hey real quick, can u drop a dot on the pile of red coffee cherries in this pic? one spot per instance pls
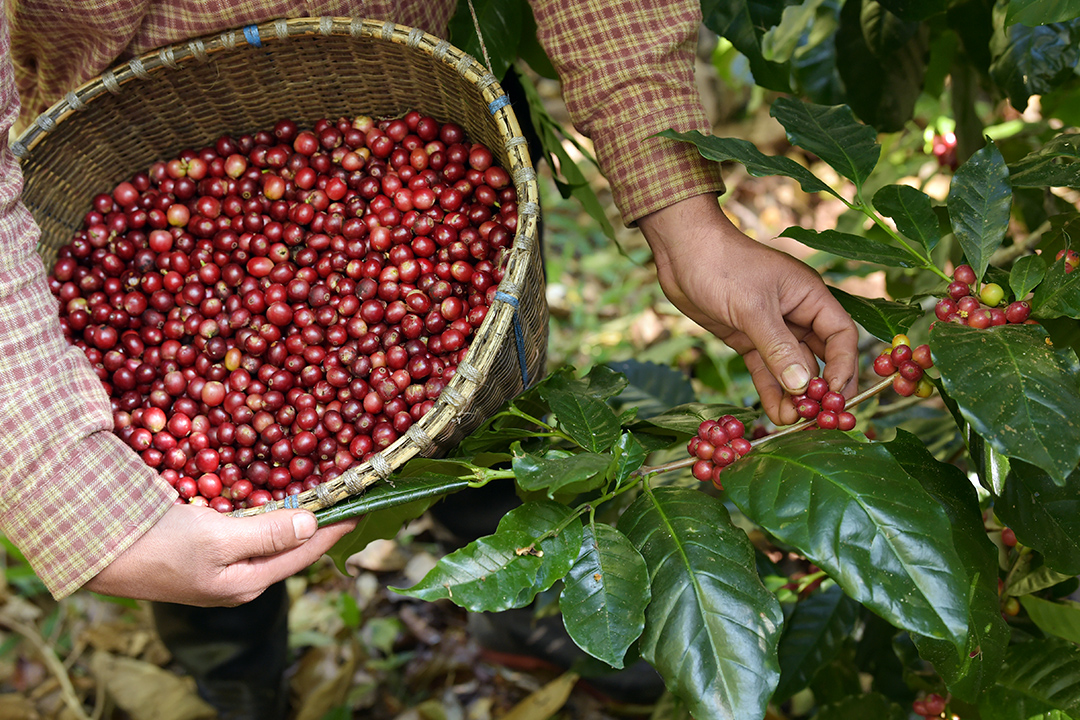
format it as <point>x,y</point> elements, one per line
<point>267,311</point>
<point>909,366</point>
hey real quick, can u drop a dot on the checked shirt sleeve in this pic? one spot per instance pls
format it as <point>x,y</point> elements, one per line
<point>627,69</point>
<point>72,495</point>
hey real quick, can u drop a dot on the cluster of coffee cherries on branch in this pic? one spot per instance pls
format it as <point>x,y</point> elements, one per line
<point>823,406</point>
<point>978,311</point>
<point>930,706</point>
<point>718,443</point>
<point>269,310</point>
<point>907,366</point>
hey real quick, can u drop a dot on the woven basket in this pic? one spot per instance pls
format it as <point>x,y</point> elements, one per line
<point>187,95</point>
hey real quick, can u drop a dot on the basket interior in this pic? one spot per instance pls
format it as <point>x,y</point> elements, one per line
<point>237,90</point>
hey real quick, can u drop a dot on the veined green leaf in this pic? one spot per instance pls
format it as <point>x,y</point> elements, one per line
<point>833,134</point>
<point>711,628</point>
<point>980,199</point>
<point>506,570</point>
<point>1011,385</point>
<point>854,511</point>
<point>605,595</point>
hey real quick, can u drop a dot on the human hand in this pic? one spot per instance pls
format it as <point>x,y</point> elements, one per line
<point>770,308</point>
<point>197,556</point>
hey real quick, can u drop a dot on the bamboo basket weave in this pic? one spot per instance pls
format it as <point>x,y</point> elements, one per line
<point>187,95</point>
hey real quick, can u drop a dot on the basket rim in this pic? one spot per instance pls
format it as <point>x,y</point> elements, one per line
<point>502,317</point>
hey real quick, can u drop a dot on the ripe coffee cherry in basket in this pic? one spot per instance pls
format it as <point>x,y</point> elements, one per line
<point>269,310</point>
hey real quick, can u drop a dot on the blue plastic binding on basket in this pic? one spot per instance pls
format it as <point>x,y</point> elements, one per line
<point>519,335</point>
<point>290,502</point>
<point>251,34</point>
<point>498,104</point>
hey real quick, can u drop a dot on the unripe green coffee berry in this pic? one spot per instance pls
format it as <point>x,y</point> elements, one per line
<point>991,294</point>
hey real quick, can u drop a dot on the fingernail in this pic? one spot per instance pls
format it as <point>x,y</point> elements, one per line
<point>795,378</point>
<point>304,525</point>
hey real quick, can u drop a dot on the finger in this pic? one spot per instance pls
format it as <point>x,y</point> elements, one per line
<point>841,349</point>
<point>247,578</point>
<point>268,534</point>
<point>780,351</point>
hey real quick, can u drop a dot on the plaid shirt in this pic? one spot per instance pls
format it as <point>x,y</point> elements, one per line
<point>72,495</point>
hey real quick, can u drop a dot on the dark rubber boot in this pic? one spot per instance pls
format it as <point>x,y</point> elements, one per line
<point>237,655</point>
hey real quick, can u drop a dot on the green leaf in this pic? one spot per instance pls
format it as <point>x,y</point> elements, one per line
<point>588,420</point>
<point>860,707</point>
<point>969,675</point>
<point>833,134</point>
<point>756,162</point>
<point>652,388</point>
<point>990,465</point>
<point>742,22</point>
<point>601,382</point>
<point>384,509</point>
<point>883,319</point>
<point>979,203</point>
<point>779,43</point>
<point>500,25</point>
<point>711,628</point>
<point>506,570</point>
<point>915,10</point>
<point>1032,60</point>
<point>1011,386</point>
<point>630,455</point>
<point>686,418</point>
<point>813,635</point>
<point>1025,578</point>
<point>853,247</point>
<point>1061,619</point>
<point>852,510</point>
<point>1052,165</point>
<point>1044,515</point>
<point>1040,676</point>
<point>882,61</point>
<point>1041,12</point>
<point>1058,294</point>
<point>1026,273</point>
<point>576,473</point>
<point>605,595</point>
<point>913,212</point>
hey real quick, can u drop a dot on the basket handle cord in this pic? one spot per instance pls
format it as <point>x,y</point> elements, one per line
<point>519,335</point>
<point>480,37</point>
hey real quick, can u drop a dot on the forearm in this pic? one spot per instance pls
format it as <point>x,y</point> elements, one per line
<point>628,74</point>
<point>72,496</point>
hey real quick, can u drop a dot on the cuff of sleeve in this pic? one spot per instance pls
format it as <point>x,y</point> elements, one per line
<point>78,497</point>
<point>653,173</point>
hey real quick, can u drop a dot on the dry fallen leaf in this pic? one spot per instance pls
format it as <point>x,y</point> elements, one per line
<point>147,692</point>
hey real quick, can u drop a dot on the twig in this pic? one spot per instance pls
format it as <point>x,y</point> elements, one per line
<point>67,690</point>
<point>801,425</point>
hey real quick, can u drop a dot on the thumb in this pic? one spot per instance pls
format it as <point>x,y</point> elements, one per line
<point>782,355</point>
<point>272,533</point>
